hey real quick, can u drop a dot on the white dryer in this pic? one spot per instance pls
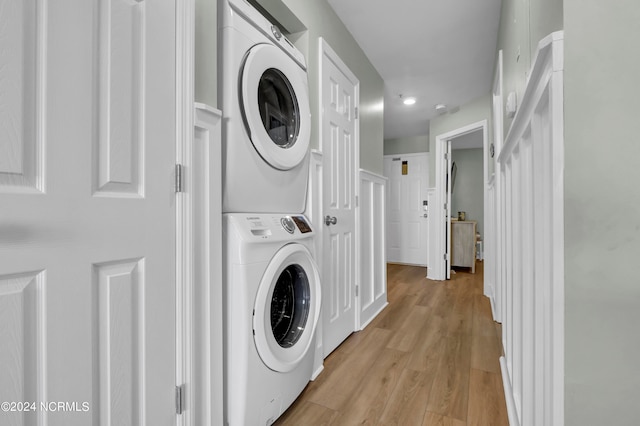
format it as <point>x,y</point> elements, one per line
<point>272,305</point>
<point>266,127</point>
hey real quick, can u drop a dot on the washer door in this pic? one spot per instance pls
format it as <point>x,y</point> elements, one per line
<point>275,104</point>
<point>287,308</point>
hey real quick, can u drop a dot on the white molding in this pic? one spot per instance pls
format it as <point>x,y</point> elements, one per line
<point>314,214</point>
<point>199,239</point>
<point>493,245</point>
<point>373,316</point>
<point>374,177</point>
<point>184,86</point>
<point>548,60</point>
<point>506,384</point>
<point>530,185</point>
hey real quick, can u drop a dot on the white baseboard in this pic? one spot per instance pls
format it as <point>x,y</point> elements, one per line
<point>317,372</point>
<point>374,316</point>
<point>508,394</point>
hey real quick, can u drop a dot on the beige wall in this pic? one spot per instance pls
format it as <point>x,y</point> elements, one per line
<point>523,23</point>
<point>468,189</point>
<point>206,62</point>
<point>602,211</point>
<point>321,21</point>
<point>476,110</point>
<point>407,145</point>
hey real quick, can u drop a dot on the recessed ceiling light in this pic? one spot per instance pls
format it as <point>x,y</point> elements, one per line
<point>409,101</point>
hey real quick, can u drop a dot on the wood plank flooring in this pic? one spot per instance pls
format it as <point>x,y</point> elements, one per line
<point>430,358</point>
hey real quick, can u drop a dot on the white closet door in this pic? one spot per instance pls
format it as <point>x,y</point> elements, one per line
<point>87,263</point>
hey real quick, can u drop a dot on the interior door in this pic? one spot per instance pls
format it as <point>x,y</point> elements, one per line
<point>447,211</point>
<point>408,234</point>
<point>87,240</point>
<point>339,140</point>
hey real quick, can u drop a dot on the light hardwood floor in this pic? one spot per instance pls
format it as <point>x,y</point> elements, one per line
<point>430,358</point>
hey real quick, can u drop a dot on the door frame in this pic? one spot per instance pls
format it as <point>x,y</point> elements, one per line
<point>325,50</point>
<point>199,334</point>
<point>185,94</point>
<point>494,283</point>
<point>427,188</point>
<point>438,269</point>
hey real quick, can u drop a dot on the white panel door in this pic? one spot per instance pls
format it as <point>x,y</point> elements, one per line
<point>87,224</point>
<point>407,231</point>
<point>339,145</point>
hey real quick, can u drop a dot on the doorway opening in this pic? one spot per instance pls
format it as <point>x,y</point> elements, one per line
<point>440,229</point>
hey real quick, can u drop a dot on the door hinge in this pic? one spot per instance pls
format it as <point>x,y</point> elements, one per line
<point>356,201</point>
<point>356,291</point>
<point>180,399</point>
<point>444,256</point>
<point>446,156</point>
<point>445,206</point>
<point>356,112</point>
<point>179,178</point>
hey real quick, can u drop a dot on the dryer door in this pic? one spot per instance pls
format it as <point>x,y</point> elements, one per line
<point>275,104</point>
<point>287,308</point>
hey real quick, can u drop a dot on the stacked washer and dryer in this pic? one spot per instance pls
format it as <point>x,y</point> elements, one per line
<point>271,282</point>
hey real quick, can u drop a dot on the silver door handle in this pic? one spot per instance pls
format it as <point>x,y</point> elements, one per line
<point>425,215</point>
<point>328,220</point>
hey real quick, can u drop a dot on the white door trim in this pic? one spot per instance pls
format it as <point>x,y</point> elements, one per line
<point>437,269</point>
<point>494,283</point>
<point>185,59</point>
<point>326,51</point>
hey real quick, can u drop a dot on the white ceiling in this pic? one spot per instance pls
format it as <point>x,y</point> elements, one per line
<point>439,51</point>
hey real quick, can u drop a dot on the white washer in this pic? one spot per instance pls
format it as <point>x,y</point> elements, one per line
<point>266,127</point>
<point>272,305</point>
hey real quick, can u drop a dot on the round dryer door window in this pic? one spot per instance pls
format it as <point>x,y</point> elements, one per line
<point>275,105</point>
<point>287,308</point>
<point>278,108</point>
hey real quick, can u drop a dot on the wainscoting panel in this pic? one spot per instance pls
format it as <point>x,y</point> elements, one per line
<point>529,249</point>
<point>373,269</point>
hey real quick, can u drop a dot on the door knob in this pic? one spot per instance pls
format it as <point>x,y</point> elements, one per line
<point>328,220</point>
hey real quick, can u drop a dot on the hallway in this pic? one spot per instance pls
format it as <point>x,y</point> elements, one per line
<point>430,358</point>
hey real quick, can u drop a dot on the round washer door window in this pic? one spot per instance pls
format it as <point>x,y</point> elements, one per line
<point>287,308</point>
<point>275,104</point>
<point>290,305</point>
